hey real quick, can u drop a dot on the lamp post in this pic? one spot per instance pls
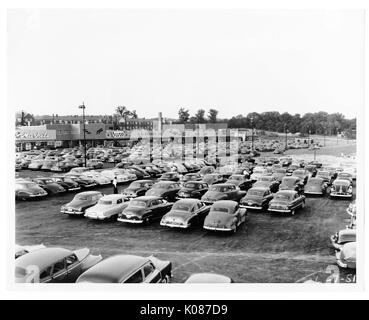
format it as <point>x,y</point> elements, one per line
<point>84,130</point>
<point>285,130</point>
<point>252,133</point>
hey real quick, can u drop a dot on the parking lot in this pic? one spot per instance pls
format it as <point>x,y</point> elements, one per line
<point>267,248</point>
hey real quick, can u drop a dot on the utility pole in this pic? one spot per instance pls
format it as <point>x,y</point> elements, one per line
<point>84,130</point>
<point>285,130</point>
<point>252,134</point>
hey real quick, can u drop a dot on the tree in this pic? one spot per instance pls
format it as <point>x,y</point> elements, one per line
<point>183,115</point>
<point>212,115</point>
<point>200,116</point>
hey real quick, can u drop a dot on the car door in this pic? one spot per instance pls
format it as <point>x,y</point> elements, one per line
<point>74,268</point>
<point>59,272</point>
<point>151,274</point>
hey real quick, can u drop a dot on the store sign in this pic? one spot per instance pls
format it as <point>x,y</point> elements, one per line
<point>117,134</point>
<point>35,135</point>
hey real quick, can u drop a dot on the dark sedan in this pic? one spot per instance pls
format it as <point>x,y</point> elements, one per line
<point>191,177</point>
<point>128,269</point>
<point>185,213</point>
<point>170,176</point>
<point>223,191</point>
<point>26,190</point>
<point>137,188</point>
<point>193,189</point>
<point>257,198</point>
<point>144,210</point>
<point>50,186</point>
<point>287,201</point>
<point>164,189</point>
<point>66,183</point>
<point>81,202</point>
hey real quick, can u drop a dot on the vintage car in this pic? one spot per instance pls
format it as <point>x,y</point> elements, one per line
<point>346,257</point>
<point>312,169</point>
<point>66,183</point>
<point>170,176</point>
<point>193,189</point>
<point>325,175</point>
<point>278,174</point>
<point>47,165</point>
<point>257,173</point>
<point>292,183</point>
<point>22,250</point>
<point>345,176</point>
<point>185,213</point>
<point>113,173</point>
<point>206,170</point>
<point>213,178</point>
<point>128,269</point>
<point>53,265</point>
<point>26,190</point>
<point>285,161</point>
<point>78,171</point>
<point>137,188</point>
<point>316,163</point>
<point>208,278</point>
<point>191,177</point>
<point>95,164</point>
<point>287,201</point>
<point>50,186</point>
<point>97,177</point>
<point>225,215</point>
<point>108,207</point>
<point>223,191</point>
<point>241,181</point>
<point>315,186</point>
<point>267,182</point>
<point>139,172</point>
<point>290,169</point>
<point>83,181</point>
<point>81,202</point>
<point>151,169</point>
<point>36,164</point>
<point>164,189</point>
<point>144,209</point>
<point>303,174</point>
<point>341,188</point>
<point>257,198</point>
<point>342,237</point>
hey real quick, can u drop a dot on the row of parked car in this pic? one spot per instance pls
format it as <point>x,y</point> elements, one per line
<point>40,264</point>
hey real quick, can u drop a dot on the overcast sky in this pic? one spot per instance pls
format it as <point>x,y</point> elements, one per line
<point>234,61</point>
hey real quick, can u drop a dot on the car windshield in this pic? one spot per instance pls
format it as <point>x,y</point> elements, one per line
<point>82,197</point>
<point>137,203</point>
<point>220,209</point>
<point>191,185</point>
<point>283,197</point>
<point>105,202</point>
<point>182,207</point>
<point>219,188</point>
<point>257,193</point>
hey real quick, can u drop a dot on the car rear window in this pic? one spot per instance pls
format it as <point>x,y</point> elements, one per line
<point>137,203</point>
<point>182,207</point>
<point>220,209</point>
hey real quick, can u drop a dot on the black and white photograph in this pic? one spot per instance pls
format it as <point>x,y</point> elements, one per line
<point>192,146</point>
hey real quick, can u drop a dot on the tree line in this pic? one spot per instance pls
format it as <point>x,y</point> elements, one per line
<point>310,123</point>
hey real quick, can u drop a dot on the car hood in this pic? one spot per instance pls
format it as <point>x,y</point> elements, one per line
<point>34,190</point>
<point>53,186</point>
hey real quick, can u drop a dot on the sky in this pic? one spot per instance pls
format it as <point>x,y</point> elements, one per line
<point>160,60</point>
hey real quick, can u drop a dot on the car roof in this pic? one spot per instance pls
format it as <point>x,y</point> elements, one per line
<point>341,181</point>
<point>222,185</point>
<point>42,258</point>
<point>259,188</point>
<point>166,182</point>
<point>147,198</point>
<point>88,193</point>
<point>225,203</point>
<point>143,181</point>
<point>208,278</point>
<point>287,192</point>
<point>113,269</point>
<point>188,201</point>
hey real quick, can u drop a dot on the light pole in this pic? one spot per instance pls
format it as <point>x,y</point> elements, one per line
<point>84,130</point>
<point>285,130</point>
<point>252,134</point>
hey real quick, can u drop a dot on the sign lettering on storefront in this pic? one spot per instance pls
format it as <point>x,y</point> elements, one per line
<point>35,135</point>
<point>115,134</point>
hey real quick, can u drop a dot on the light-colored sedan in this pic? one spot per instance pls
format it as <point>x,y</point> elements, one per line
<point>97,177</point>
<point>346,257</point>
<point>108,207</point>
